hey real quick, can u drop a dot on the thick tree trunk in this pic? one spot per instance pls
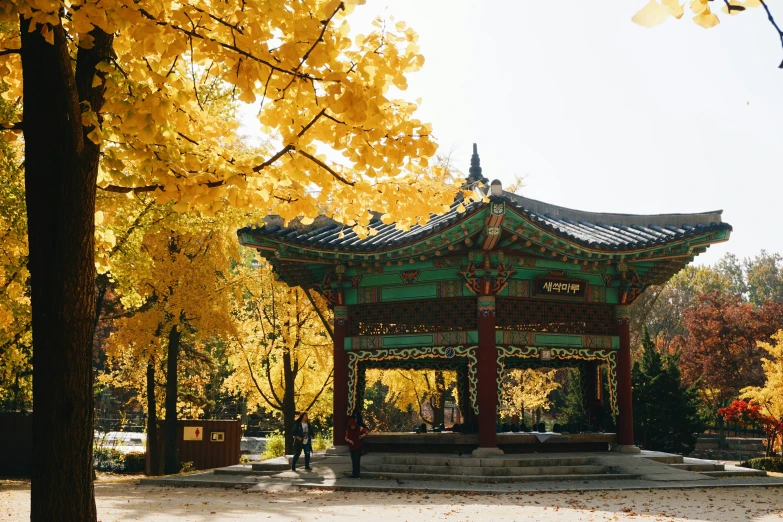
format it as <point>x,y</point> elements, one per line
<point>152,421</point>
<point>170,457</point>
<point>61,169</point>
<point>289,403</point>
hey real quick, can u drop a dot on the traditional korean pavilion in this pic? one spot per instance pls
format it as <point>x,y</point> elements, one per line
<point>510,282</point>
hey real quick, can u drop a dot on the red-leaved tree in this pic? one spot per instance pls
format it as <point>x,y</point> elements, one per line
<point>749,414</point>
<point>721,350</point>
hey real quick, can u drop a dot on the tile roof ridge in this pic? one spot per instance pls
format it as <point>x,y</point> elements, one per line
<point>614,219</point>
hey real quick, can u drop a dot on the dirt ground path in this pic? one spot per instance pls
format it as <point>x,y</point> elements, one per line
<point>124,501</point>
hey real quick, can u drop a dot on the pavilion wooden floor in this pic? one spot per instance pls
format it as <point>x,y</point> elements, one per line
<point>509,442</point>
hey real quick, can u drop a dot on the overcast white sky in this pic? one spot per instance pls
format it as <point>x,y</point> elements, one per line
<point>603,115</point>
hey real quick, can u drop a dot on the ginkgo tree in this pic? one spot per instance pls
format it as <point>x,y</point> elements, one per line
<point>769,397</point>
<point>281,352</point>
<point>425,391</point>
<point>527,389</point>
<point>112,96</point>
<point>176,290</point>
<point>15,326</point>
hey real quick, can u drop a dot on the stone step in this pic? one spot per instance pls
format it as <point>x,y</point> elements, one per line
<point>735,473</point>
<point>420,460</point>
<point>271,466</point>
<point>693,466</point>
<point>666,459</point>
<point>498,479</point>
<point>490,471</point>
<point>245,472</point>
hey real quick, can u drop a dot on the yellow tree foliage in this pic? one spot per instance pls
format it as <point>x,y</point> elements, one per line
<point>15,319</point>
<point>338,139</point>
<point>281,350</point>
<point>656,12</point>
<point>114,96</point>
<point>770,396</point>
<point>173,273</point>
<point>527,390</point>
<point>423,390</point>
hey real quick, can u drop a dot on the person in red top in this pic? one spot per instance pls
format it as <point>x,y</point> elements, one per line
<point>353,436</point>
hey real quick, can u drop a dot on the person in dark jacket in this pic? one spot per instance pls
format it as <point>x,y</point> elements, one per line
<point>353,436</point>
<point>597,416</point>
<point>303,440</point>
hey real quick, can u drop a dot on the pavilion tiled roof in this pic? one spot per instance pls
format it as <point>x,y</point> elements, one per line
<point>617,231</point>
<point>612,232</point>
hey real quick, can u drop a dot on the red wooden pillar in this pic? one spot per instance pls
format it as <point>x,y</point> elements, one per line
<point>624,398</point>
<point>487,358</point>
<point>340,404</point>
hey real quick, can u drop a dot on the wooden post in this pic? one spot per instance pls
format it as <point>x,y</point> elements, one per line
<point>487,357</point>
<point>624,400</point>
<point>340,404</point>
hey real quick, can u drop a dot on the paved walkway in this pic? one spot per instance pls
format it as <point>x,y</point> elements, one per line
<point>122,502</point>
<point>330,473</point>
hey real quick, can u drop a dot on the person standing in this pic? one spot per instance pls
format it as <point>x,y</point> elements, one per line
<point>303,440</point>
<point>353,436</point>
<point>597,416</point>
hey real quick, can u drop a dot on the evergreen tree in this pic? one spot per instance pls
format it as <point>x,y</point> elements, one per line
<point>573,412</point>
<point>665,412</point>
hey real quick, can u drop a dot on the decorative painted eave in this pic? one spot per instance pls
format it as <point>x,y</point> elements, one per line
<point>652,248</point>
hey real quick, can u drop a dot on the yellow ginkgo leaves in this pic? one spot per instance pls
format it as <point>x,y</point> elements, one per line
<point>658,11</point>
<point>336,142</point>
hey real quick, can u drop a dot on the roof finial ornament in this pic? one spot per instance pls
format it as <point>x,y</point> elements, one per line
<point>475,168</point>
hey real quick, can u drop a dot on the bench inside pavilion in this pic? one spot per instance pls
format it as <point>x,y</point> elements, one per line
<point>509,283</point>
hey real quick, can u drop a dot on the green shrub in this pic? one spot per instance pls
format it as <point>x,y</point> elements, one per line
<point>321,443</point>
<point>186,467</point>
<point>774,464</point>
<point>134,462</point>
<point>106,459</point>
<point>275,446</point>
<point>115,461</point>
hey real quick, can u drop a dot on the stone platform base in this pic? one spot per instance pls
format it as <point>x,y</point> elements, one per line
<point>465,443</point>
<point>487,452</point>
<point>626,448</point>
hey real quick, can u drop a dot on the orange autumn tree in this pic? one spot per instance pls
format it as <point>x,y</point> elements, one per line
<point>112,95</point>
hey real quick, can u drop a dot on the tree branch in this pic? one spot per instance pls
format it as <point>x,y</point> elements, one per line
<point>320,38</point>
<point>320,314</point>
<point>230,47</point>
<point>774,24</point>
<point>277,406</point>
<point>317,395</point>
<point>327,168</point>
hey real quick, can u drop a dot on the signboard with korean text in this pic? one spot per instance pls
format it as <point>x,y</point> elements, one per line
<point>193,433</point>
<point>557,287</point>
